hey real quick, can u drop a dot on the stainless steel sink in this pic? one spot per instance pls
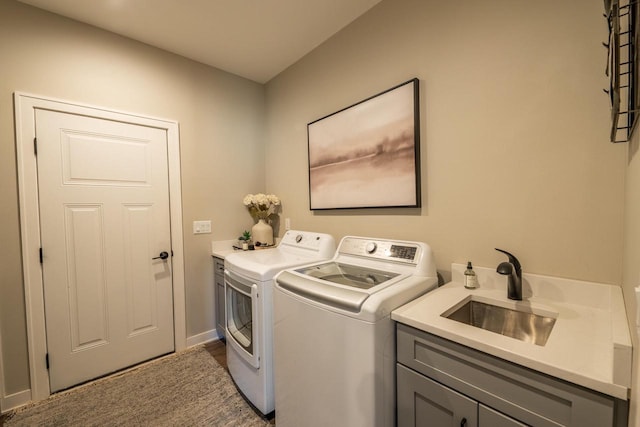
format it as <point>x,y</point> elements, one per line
<point>522,325</point>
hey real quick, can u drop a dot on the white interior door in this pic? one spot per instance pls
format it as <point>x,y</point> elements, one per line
<point>104,211</point>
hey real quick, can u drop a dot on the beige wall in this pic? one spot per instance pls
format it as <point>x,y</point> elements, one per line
<point>515,150</point>
<point>221,119</point>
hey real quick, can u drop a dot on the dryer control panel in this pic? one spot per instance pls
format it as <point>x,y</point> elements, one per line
<point>317,242</point>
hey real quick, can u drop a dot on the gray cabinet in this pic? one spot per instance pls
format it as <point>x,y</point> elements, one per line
<point>442,383</point>
<point>218,274</point>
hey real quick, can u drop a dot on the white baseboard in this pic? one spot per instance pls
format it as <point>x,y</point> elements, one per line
<point>15,400</point>
<point>202,338</point>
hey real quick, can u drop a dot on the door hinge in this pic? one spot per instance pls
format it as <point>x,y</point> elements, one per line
<point>35,146</point>
<point>41,256</point>
<point>46,360</point>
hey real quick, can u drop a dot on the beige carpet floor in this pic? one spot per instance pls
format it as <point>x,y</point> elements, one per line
<point>185,389</point>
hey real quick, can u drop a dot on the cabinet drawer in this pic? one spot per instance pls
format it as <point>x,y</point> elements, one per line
<point>218,266</point>
<point>521,393</point>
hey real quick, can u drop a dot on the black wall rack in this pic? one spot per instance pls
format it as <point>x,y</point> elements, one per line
<point>622,67</point>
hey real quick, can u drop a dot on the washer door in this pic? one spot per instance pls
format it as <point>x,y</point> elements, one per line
<point>242,300</point>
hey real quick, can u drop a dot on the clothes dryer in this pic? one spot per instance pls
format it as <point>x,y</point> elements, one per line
<point>249,308</point>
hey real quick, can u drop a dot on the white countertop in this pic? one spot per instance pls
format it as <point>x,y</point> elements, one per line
<point>589,345</point>
<point>222,248</point>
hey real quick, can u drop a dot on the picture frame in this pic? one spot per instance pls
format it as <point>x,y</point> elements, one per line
<point>367,155</point>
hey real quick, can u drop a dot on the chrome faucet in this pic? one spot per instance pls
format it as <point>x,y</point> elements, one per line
<point>513,271</point>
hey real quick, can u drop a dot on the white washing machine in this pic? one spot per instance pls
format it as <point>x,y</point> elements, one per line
<point>334,340</point>
<point>248,281</point>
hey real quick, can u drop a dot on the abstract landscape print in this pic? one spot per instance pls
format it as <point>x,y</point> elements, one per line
<point>367,155</point>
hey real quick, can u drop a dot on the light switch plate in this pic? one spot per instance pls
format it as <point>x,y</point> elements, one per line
<point>201,227</point>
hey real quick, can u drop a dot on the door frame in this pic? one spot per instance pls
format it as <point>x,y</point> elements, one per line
<point>25,106</point>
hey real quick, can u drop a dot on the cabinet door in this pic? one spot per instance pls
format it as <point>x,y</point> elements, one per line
<point>220,309</point>
<point>220,304</point>
<point>424,402</point>
<point>488,417</point>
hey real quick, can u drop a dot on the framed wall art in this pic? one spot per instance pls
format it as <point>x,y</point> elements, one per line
<point>367,155</point>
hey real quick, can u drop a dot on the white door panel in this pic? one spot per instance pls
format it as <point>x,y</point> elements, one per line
<point>104,160</point>
<point>104,208</point>
<point>86,276</point>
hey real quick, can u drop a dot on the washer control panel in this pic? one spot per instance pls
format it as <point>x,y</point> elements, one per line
<point>390,250</point>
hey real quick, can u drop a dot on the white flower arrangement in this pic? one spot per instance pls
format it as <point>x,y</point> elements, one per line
<point>261,206</point>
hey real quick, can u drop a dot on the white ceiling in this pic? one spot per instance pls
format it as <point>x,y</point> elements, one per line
<point>256,39</point>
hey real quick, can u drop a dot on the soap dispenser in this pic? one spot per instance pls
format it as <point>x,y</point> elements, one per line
<point>470,278</point>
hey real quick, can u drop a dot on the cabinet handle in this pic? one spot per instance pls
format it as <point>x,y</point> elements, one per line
<point>463,423</point>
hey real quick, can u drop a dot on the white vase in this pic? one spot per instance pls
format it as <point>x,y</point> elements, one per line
<point>263,233</point>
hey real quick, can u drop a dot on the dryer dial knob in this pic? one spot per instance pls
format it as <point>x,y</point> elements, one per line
<point>371,247</point>
<point>298,238</point>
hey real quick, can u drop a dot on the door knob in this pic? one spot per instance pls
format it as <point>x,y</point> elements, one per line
<point>163,255</point>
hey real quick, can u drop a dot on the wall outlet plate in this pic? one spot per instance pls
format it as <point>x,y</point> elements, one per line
<point>201,227</point>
